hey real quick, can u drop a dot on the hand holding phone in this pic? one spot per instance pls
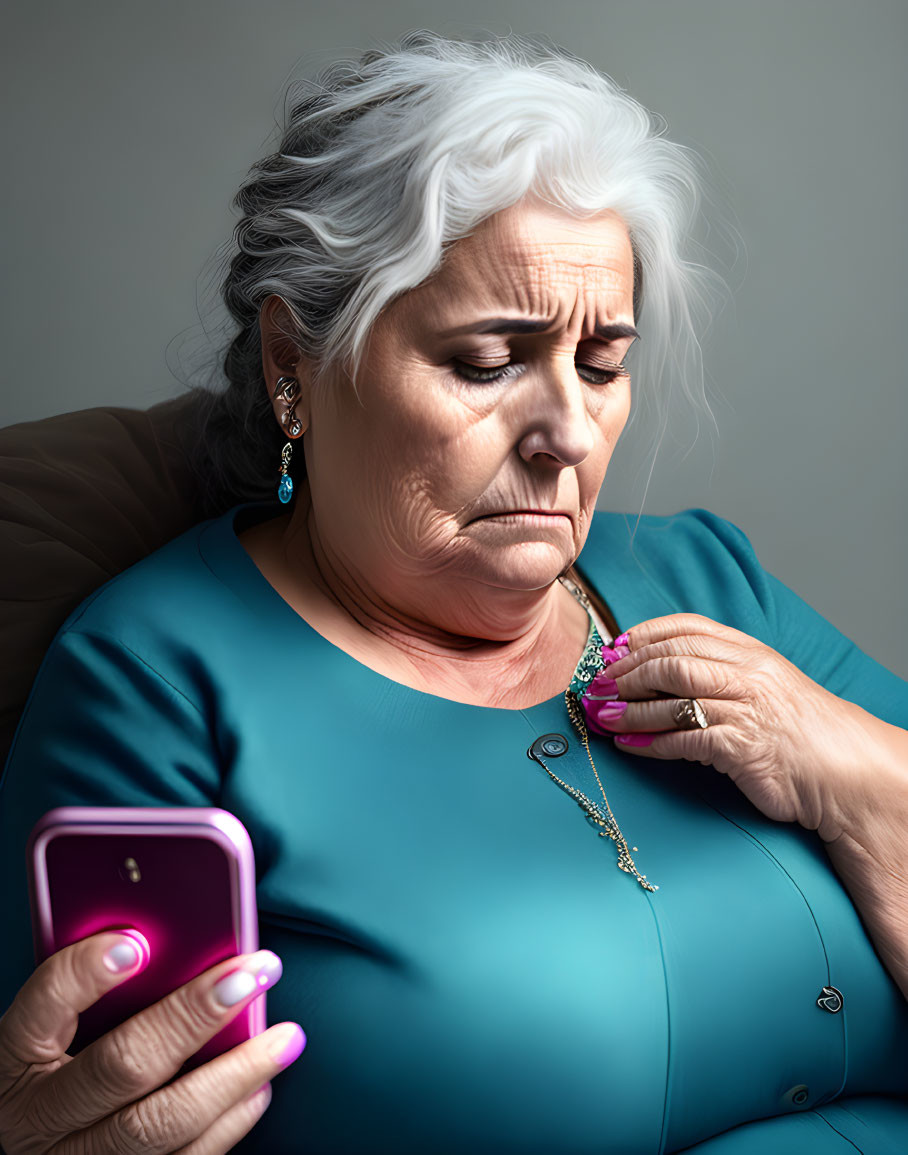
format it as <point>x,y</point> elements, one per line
<point>182,876</point>
<point>113,1093</point>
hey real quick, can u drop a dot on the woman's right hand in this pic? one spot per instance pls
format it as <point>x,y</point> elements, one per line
<point>109,1099</point>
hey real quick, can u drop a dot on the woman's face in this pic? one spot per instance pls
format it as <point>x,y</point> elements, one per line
<point>490,407</point>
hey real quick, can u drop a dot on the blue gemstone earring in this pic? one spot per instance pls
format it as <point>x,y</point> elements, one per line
<point>286,389</point>
<point>285,489</point>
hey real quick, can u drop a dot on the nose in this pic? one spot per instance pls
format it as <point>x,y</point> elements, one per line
<point>557,421</point>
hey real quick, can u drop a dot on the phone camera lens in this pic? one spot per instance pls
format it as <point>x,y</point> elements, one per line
<point>129,870</point>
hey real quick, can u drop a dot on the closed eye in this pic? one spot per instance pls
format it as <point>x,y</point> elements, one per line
<point>491,375</point>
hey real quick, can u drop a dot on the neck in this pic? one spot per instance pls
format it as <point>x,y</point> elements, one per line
<point>416,651</point>
<point>428,617</point>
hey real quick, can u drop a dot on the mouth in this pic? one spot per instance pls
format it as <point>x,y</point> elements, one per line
<point>540,516</point>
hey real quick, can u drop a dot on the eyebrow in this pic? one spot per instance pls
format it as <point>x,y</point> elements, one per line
<point>501,325</point>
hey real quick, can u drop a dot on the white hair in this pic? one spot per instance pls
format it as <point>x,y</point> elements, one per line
<point>384,162</point>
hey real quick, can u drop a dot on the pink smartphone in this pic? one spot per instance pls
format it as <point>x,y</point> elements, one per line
<point>183,876</point>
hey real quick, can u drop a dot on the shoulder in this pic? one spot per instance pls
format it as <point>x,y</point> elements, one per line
<point>693,561</point>
<point>163,607</point>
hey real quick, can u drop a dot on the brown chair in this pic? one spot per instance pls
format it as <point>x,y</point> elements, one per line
<point>82,496</point>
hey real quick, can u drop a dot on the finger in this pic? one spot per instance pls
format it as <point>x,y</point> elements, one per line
<point>673,625</point>
<point>648,717</point>
<point>182,1112</point>
<point>147,1050</point>
<point>231,1127</point>
<point>684,645</point>
<point>676,676</point>
<point>688,745</point>
<point>42,1019</point>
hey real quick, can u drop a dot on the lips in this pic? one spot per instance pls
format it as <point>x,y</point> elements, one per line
<point>541,512</point>
<point>546,513</point>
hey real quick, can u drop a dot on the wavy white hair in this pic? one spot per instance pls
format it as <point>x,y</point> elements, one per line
<point>385,161</point>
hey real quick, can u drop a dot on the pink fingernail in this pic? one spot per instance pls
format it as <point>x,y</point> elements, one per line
<point>634,739</point>
<point>131,951</point>
<point>610,712</point>
<point>287,1045</point>
<point>621,640</point>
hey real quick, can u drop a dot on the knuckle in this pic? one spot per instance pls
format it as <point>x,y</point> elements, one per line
<point>58,976</point>
<point>177,1025</point>
<point>764,682</point>
<point>69,970</point>
<point>673,670</point>
<point>683,662</point>
<point>143,1127</point>
<point>700,646</point>
<point>124,1060</point>
<point>34,1030</point>
<point>189,1013</point>
<point>47,1111</point>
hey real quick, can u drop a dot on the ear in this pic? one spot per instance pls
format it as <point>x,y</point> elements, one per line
<point>281,357</point>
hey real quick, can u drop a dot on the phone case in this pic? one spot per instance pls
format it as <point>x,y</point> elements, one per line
<point>183,876</point>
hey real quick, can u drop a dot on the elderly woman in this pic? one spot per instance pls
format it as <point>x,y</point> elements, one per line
<point>439,277</point>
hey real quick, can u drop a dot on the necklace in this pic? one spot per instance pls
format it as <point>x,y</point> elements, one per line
<point>589,665</point>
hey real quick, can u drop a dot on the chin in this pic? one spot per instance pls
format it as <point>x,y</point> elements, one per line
<point>527,566</point>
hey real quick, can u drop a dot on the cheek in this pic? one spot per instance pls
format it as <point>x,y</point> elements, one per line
<point>614,415</point>
<point>407,485</point>
<point>611,419</point>
<point>451,453</point>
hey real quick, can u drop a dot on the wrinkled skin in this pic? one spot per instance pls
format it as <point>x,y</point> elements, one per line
<point>390,539</point>
<point>799,753</point>
<point>112,1096</point>
<point>389,552</point>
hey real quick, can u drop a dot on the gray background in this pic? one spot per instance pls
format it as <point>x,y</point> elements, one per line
<point>130,126</point>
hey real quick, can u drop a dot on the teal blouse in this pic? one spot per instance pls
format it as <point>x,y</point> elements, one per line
<point>472,970</point>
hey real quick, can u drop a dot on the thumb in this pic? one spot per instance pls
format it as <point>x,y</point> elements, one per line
<point>42,1019</point>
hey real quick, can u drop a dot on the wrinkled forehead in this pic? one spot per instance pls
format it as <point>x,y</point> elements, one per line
<point>539,261</point>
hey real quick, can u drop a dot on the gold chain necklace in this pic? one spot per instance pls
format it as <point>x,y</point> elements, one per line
<point>606,820</point>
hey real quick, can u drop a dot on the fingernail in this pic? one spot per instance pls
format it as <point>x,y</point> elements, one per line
<point>621,640</point>
<point>286,1045</point>
<point>259,972</point>
<point>610,712</point>
<point>131,951</point>
<point>634,739</point>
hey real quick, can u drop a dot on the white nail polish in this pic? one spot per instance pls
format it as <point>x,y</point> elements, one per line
<point>122,956</point>
<point>234,988</point>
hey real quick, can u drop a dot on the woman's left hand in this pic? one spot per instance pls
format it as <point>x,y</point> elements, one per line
<point>799,753</point>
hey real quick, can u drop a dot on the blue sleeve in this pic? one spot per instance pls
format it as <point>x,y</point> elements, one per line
<point>807,639</point>
<point>101,727</point>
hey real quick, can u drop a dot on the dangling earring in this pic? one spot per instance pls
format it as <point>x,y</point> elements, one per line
<point>286,389</point>
<point>285,489</point>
